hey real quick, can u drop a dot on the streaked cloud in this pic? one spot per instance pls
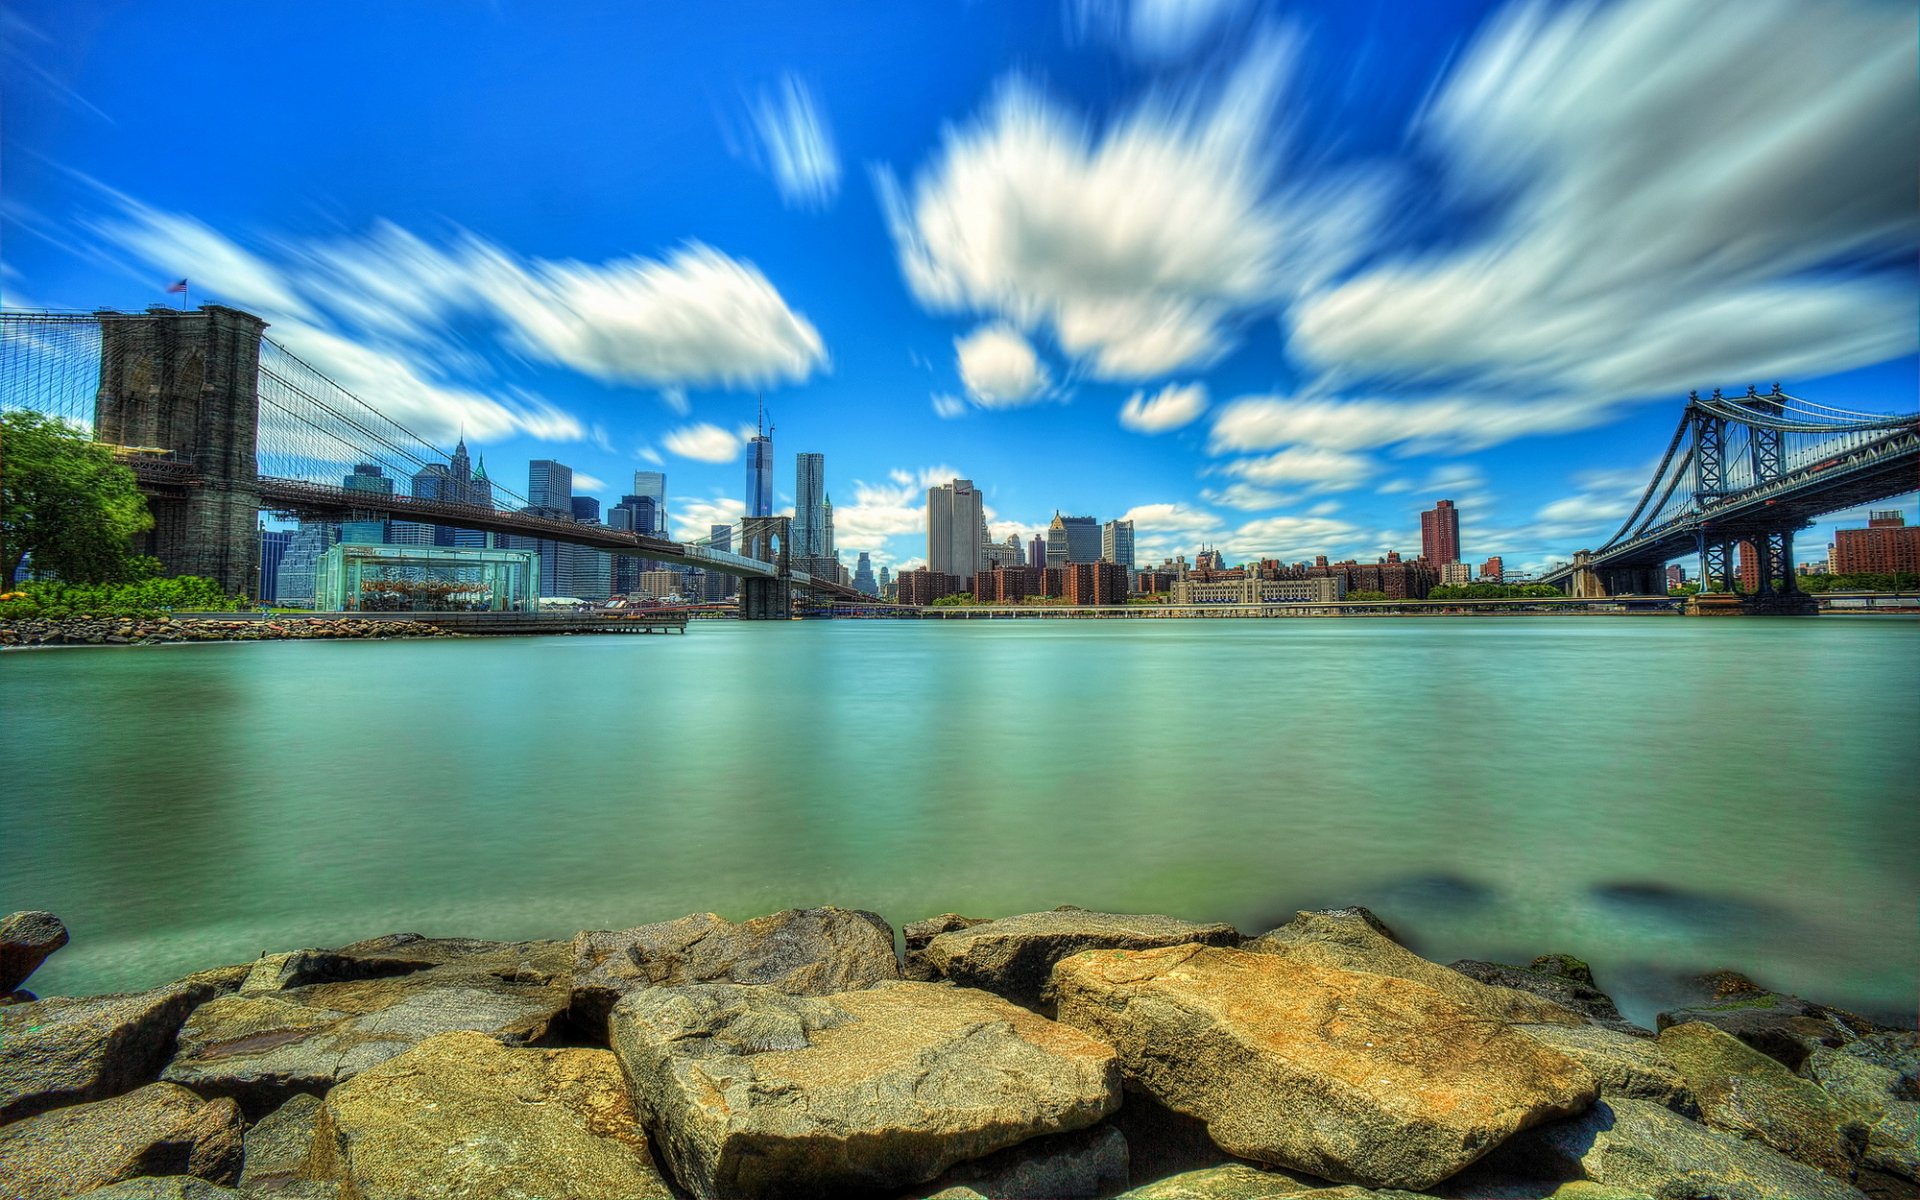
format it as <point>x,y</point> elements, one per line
<point>797,144</point>
<point>999,367</point>
<point>1320,470</point>
<point>1172,407</point>
<point>703,442</point>
<point>1134,246</point>
<point>1685,195</point>
<point>693,516</point>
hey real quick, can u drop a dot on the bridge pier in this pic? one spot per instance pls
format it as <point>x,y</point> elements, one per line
<point>765,599</point>
<point>188,383</point>
<point>762,598</point>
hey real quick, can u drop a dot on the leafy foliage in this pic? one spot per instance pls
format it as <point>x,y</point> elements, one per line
<point>1494,591</point>
<point>955,599</point>
<point>141,598</point>
<point>66,502</point>
<point>1366,595</point>
<point>1902,581</point>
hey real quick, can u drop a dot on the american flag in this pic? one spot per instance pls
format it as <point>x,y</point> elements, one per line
<point>176,287</point>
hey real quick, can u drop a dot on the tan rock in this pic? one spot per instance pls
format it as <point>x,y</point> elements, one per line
<point>1348,1076</point>
<point>751,1092</point>
<point>1230,1182</point>
<point>1623,1064</point>
<point>1750,1094</point>
<point>1345,940</point>
<point>462,1116</point>
<point>805,951</point>
<point>1013,956</point>
<point>278,1144</point>
<point>159,1129</point>
<point>1066,1166</point>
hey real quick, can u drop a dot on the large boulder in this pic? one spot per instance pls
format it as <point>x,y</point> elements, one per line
<point>1066,1166</point>
<point>1750,1095</point>
<point>1560,978</point>
<point>916,935</point>
<point>26,938</point>
<point>159,1129</point>
<point>1870,1076</point>
<point>306,1021</point>
<point>751,1092</point>
<point>1014,956</point>
<point>463,1116</point>
<point>163,1187</point>
<point>1639,1145</point>
<point>64,1050</point>
<point>1349,1076</point>
<point>1351,939</point>
<point>278,1145</point>
<point>805,951</point>
<point>1623,1064</point>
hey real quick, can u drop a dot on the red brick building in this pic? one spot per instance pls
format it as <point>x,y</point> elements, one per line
<point>1008,585</point>
<point>1096,583</point>
<point>1440,533</point>
<point>921,586</point>
<point>1887,546</point>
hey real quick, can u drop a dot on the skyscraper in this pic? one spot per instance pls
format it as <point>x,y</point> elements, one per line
<point>1072,540</point>
<point>1037,551</point>
<point>863,580</point>
<point>760,470</point>
<point>809,511</point>
<point>273,548</point>
<point>653,485</point>
<point>1440,533</point>
<point>586,510</point>
<point>550,485</point>
<point>953,528</point>
<point>366,477</point>
<point>293,583</point>
<point>1116,543</point>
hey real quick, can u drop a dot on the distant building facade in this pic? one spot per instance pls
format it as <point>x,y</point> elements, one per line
<point>1440,533</point>
<point>1493,571</point>
<point>1323,589</point>
<point>922,586</point>
<point>954,521</point>
<point>863,580</point>
<point>1887,545</point>
<point>1095,583</point>
<point>1456,572</point>
<point>1116,543</point>
<point>760,471</point>
<point>273,549</point>
<point>1072,540</point>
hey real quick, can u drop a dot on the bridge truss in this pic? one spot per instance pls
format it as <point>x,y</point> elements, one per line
<point>1749,471</point>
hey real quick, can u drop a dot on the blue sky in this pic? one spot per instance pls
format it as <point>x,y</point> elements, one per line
<point>1271,277</point>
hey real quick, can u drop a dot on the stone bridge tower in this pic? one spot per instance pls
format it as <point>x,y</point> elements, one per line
<point>766,538</point>
<point>189,383</point>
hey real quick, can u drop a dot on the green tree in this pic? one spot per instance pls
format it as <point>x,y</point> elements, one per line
<point>958,598</point>
<point>1366,595</point>
<point>64,501</point>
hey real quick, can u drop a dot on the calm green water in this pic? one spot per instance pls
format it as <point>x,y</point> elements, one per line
<point>1653,794</point>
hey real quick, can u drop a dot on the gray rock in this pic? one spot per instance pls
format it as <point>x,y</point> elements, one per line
<point>1353,940</point>
<point>163,1187</point>
<point>1874,1084</point>
<point>1744,1092</point>
<point>65,1050</point>
<point>803,951</point>
<point>1014,956</point>
<point>159,1129</point>
<point>1567,990</point>
<point>1624,1065</point>
<point>751,1092</point>
<point>1090,1162</point>
<point>1785,1028</point>
<point>1232,1181</point>
<point>1897,1051</point>
<point>277,1147</point>
<point>26,938</point>
<point>1636,1144</point>
<point>1344,1075</point>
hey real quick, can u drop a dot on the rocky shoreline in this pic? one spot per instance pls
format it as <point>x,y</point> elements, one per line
<point>157,631</point>
<point>1056,1054</point>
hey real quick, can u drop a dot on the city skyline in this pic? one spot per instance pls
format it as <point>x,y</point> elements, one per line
<point>1384,291</point>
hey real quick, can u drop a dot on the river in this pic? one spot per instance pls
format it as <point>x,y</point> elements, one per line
<point>1656,795</point>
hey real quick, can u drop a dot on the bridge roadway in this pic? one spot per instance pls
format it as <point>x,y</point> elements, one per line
<point>318,500</point>
<point>1885,466</point>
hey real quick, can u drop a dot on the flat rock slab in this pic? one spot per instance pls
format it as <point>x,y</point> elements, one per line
<point>1348,1076</point>
<point>163,1187</point>
<point>1230,1182</point>
<point>1570,988</point>
<point>1640,1146</point>
<point>1014,956</point>
<point>1623,1064</point>
<point>62,1051</point>
<point>751,1092</point>
<point>1350,940</point>
<point>1785,1028</point>
<point>26,939</point>
<point>1067,1166</point>
<point>159,1129</point>
<point>462,1116</point>
<point>805,951</point>
<point>1751,1095</point>
<point>278,1036</point>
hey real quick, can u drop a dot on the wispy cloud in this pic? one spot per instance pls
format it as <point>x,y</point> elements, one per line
<point>999,367</point>
<point>797,144</point>
<point>1172,407</point>
<point>703,442</point>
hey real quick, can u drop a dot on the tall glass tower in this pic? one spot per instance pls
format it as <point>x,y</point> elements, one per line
<point>760,470</point>
<point>653,486</point>
<point>809,511</point>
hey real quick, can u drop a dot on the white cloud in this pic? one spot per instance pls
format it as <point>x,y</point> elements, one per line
<point>1165,516</point>
<point>583,482</point>
<point>1174,406</point>
<point>1265,422</point>
<point>649,454</point>
<point>703,442</point>
<point>1247,498</point>
<point>176,246</point>
<point>693,516</point>
<point>1322,470</point>
<point>1677,190</point>
<point>999,367</point>
<point>1135,246</point>
<point>1291,539</point>
<point>798,144</point>
<point>947,406</point>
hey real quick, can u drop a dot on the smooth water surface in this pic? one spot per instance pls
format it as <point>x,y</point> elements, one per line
<point>1652,794</point>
